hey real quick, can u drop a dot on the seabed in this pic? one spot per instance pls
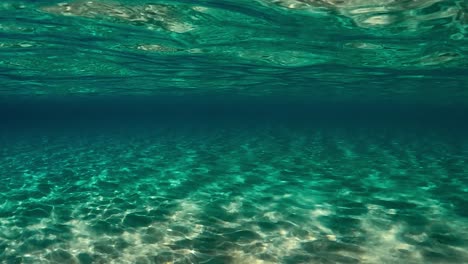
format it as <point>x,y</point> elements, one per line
<point>266,195</point>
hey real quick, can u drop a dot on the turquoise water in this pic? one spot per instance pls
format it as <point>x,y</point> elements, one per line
<point>404,51</point>
<point>267,131</point>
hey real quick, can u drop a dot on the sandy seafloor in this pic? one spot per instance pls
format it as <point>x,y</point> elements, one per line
<point>214,194</point>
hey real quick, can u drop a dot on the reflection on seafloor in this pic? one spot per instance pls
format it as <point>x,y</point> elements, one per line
<point>219,196</point>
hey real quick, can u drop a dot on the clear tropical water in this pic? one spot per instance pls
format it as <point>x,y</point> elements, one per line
<point>267,131</point>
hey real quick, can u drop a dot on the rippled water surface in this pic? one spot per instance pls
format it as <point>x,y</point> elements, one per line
<point>337,50</point>
<point>263,131</point>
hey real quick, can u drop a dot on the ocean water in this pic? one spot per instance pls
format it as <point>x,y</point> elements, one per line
<point>266,131</point>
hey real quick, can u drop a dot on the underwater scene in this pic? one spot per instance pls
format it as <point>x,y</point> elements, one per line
<point>222,131</point>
